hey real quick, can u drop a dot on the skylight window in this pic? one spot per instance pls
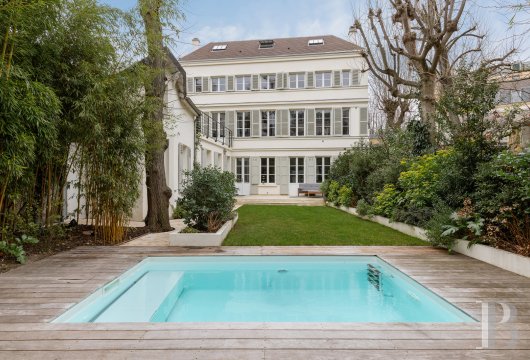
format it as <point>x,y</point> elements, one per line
<point>266,44</point>
<point>316,42</point>
<point>219,47</point>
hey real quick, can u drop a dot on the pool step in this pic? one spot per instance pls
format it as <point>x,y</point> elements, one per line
<point>142,300</point>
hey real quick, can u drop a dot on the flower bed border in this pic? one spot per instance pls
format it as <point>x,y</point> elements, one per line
<point>497,257</point>
<point>203,239</point>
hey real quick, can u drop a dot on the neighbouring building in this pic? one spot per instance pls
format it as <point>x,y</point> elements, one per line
<point>514,92</point>
<point>292,105</point>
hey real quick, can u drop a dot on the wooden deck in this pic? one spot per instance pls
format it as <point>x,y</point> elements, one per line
<point>32,295</point>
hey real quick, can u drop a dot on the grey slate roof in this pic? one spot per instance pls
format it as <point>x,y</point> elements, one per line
<point>282,47</point>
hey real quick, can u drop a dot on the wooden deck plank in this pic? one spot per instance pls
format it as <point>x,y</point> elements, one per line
<point>32,295</point>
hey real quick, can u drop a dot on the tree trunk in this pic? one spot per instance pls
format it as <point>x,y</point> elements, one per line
<point>428,104</point>
<point>158,193</point>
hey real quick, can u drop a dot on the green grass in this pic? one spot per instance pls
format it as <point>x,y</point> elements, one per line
<point>262,225</point>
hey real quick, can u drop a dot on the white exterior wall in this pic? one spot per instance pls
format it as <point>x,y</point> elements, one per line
<point>179,154</point>
<point>353,97</point>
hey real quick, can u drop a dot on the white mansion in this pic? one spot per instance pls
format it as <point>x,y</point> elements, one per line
<point>291,104</point>
<point>275,112</point>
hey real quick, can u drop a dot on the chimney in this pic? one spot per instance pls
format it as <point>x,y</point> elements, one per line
<point>352,31</point>
<point>196,42</point>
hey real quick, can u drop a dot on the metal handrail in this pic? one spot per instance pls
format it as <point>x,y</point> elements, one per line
<point>213,129</point>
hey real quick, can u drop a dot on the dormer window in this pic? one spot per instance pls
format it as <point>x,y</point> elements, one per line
<point>316,42</point>
<point>266,44</point>
<point>219,47</point>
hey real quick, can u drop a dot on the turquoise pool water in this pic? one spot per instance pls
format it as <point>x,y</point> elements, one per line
<point>264,289</point>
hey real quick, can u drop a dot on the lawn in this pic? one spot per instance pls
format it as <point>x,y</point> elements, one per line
<point>262,225</point>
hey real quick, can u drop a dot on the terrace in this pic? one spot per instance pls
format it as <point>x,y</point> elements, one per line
<point>35,294</point>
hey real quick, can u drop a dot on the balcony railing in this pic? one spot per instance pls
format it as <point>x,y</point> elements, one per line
<point>215,130</point>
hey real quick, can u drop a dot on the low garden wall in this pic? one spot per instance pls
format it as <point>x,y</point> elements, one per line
<point>503,259</point>
<point>202,239</point>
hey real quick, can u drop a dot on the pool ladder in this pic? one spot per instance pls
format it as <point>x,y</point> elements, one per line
<point>374,276</point>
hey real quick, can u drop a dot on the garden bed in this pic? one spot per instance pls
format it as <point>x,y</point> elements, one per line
<point>203,239</point>
<point>503,259</point>
<point>81,235</point>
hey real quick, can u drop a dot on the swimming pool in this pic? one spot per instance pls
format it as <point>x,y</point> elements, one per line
<point>263,289</point>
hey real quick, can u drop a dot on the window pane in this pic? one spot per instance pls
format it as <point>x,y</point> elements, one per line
<point>272,123</point>
<point>345,78</point>
<point>247,82</point>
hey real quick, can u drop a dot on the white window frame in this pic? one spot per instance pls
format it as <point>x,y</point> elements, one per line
<point>268,123</point>
<point>218,124</point>
<point>220,83</point>
<point>197,85</point>
<point>324,125</point>
<point>323,79</point>
<point>270,170</point>
<point>265,79</point>
<point>345,121</point>
<point>322,168</point>
<point>246,81</point>
<point>315,42</point>
<point>242,170</point>
<point>242,130</point>
<point>299,130</point>
<point>299,81</point>
<point>296,170</point>
<point>345,75</point>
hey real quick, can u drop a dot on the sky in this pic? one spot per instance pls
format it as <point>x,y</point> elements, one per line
<point>225,20</point>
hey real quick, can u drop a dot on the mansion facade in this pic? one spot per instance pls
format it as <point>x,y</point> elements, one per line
<point>281,109</point>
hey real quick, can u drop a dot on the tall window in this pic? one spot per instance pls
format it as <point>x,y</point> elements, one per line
<point>268,82</point>
<point>323,122</point>
<point>243,83</point>
<point>323,165</point>
<point>268,171</point>
<point>345,121</point>
<point>296,122</point>
<point>242,170</point>
<point>243,123</point>
<point>296,170</point>
<point>297,81</point>
<point>218,124</point>
<point>268,123</point>
<point>218,84</point>
<point>198,84</point>
<point>346,78</point>
<point>323,79</point>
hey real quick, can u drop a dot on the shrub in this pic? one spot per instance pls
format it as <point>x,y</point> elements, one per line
<point>363,208</point>
<point>447,226</point>
<point>189,230</point>
<point>386,201</point>
<point>353,167</point>
<point>436,227</point>
<point>178,210</point>
<point>15,248</point>
<point>422,181</point>
<point>345,196</point>
<point>503,199</point>
<point>412,214</point>
<point>333,192</point>
<point>208,197</point>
